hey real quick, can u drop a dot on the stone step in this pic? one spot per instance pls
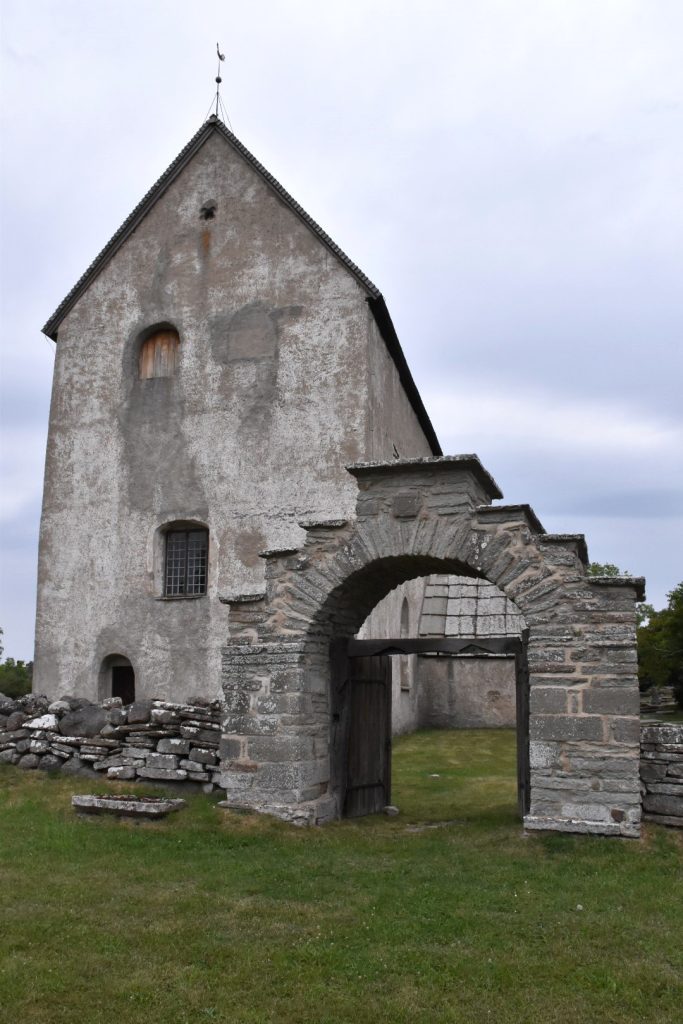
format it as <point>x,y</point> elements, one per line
<point>511,514</point>
<point>575,542</point>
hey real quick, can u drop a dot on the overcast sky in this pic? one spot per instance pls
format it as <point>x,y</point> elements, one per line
<point>508,172</point>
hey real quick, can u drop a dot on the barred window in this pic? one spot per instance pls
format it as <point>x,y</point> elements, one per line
<point>187,554</point>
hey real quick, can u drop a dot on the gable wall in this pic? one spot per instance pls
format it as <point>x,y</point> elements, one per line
<point>269,403</point>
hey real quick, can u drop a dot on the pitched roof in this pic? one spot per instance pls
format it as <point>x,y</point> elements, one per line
<point>464,606</point>
<point>375,298</point>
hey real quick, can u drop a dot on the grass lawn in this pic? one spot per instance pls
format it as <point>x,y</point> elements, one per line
<point>212,916</point>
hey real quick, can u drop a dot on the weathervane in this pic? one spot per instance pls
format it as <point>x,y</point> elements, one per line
<point>220,106</point>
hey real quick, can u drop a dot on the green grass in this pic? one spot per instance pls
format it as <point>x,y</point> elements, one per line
<point>212,916</point>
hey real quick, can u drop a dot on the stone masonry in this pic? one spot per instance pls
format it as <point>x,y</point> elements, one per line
<point>661,773</point>
<point>418,518</point>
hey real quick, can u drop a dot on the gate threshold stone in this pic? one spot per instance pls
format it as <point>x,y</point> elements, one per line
<point>126,806</point>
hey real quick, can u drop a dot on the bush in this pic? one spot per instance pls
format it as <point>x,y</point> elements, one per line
<point>15,678</point>
<point>660,647</point>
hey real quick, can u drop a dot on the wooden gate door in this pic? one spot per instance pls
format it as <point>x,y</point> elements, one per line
<point>368,736</point>
<point>523,768</point>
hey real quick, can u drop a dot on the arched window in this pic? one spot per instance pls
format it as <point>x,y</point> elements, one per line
<point>404,660</point>
<point>405,618</point>
<point>186,561</point>
<point>158,354</point>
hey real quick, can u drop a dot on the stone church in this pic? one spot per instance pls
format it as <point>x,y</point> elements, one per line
<point>244,496</point>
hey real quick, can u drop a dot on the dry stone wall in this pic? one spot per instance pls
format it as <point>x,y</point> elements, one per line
<point>661,773</point>
<point>146,741</point>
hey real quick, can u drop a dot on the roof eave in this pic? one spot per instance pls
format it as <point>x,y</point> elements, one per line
<point>386,328</point>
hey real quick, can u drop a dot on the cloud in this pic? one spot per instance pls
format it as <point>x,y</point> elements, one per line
<point>544,422</point>
<point>22,459</point>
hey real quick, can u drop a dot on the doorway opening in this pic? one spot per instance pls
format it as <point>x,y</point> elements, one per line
<point>117,678</point>
<point>472,678</point>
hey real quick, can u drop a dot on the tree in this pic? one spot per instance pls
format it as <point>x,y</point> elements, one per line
<point>643,610</point>
<point>605,569</point>
<point>15,678</point>
<point>660,646</point>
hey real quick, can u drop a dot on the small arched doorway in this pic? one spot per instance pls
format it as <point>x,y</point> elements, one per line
<point>117,678</point>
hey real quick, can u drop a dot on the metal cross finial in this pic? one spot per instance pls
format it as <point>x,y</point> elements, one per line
<point>221,56</point>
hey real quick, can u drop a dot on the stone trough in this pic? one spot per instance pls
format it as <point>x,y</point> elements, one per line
<point>126,806</point>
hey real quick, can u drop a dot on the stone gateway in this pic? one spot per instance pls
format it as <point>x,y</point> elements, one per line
<point>245,501</point>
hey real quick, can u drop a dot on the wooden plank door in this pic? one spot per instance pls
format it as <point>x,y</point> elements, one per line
<point>368,732</point>
<point>523,768</point>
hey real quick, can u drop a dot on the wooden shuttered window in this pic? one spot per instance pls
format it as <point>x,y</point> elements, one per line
<point>158,355</point>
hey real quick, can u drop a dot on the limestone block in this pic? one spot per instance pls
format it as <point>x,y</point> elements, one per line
<point>126,772</point>
<point>14,735</point>
<point>660,803</point>
<point>162,716</point>
<point>76,766</point>
<point>279,748</point>
<point>59,707</point>
<point>542,755</point>
<point>203,755</point>
<point>58,751</point>
<point>29,761</point>
<point>166,761</point>
<point>169,774</point>
<point>230,748</point>
<point>50,763</point>
<point>617,701</point>
<point>547,700</point>
<point>625,730</point>
<point>173,745</point>
<point>139,712</point>
<point>586,811</point>
<point>137,750</point>
<point>9,756</point>
<point>651,771</point>
<point>44,722</point>
<point>117,761</point>
<point>248,725</point>
<point>207,737</point>
<point>86,721</point>
<point>565,727</point>
<point>667,734</point>
<point>672,787</point>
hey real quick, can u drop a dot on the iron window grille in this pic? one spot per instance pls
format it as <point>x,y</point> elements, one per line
<point>187,558</point>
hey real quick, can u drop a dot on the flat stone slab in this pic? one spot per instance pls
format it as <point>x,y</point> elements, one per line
<point>126,806</point>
